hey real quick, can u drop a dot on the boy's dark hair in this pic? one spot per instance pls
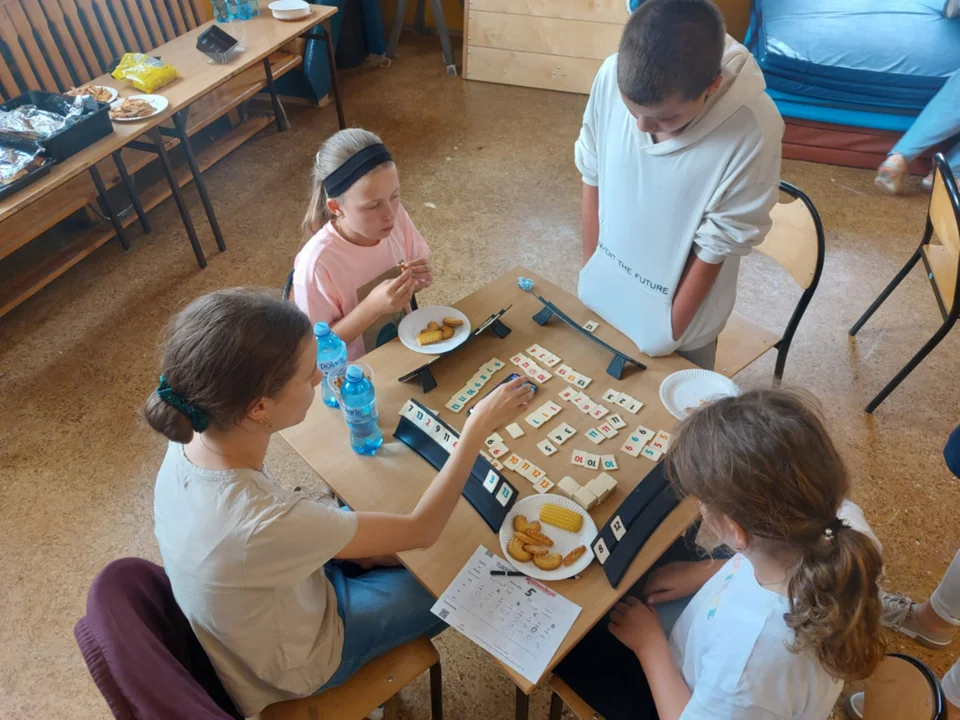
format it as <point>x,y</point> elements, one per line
<point>670,47</point>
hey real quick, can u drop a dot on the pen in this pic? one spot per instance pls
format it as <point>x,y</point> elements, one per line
<point>508,573</point>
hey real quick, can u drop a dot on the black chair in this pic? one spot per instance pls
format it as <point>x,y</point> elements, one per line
<point>942,263</point>
<point>796,243</point>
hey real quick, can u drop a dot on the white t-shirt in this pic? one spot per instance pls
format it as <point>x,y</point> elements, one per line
<point>710,190</point>
<point>730,643</point>
<point>245,558</point>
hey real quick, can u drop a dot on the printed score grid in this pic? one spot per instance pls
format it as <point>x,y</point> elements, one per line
<point>395,479</point>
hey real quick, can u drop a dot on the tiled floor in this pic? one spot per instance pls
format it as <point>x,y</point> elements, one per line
<point>78,463</point>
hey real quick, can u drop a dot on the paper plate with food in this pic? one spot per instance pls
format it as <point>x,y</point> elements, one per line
<point>548,537</point>
<point>137,107</point>
<point>434,330</point>
<point>100,93</point>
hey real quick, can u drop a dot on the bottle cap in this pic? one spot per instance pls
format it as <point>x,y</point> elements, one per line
<point>321,329</point>
<point>354,373</point>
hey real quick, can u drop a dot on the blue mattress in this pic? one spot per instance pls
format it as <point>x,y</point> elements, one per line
<point>868,56</point>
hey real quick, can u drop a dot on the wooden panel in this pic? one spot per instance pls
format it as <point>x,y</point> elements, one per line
<point>28,41</point>
<point>532,69</point>
<point>943,216</point>
<point>177,15</point>
<point>792,241</point>
<point>66,18</point>
<point>943,265</point>
<point>550,36</point>
<point>573,701</point>
<point>144,41</point>
<point>85,9</point>
<point>604,11</point>
<point>9,35</point>
<point>741,342</point>
<point>371,686</point>
<point>186,7</point>
<point>8,84</point>
<point>41,27</point>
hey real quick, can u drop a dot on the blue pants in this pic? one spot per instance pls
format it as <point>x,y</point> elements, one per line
<point>939,121</point>
<point>381,609</point>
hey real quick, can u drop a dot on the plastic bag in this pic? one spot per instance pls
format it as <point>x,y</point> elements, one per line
<point>145,73</point>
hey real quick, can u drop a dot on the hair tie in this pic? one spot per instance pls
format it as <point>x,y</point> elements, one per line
<point>356,166</point>
<point>833,527</point>
<point>198,418</point>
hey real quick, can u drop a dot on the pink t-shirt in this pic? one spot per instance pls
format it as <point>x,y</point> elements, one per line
<point>331,276</point>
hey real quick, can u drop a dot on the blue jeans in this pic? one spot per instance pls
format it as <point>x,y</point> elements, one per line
<point>381,609</point>
<point>939,121</point>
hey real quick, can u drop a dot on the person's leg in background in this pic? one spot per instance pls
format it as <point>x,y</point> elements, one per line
<point>705,357</point>
<point>939,121</point>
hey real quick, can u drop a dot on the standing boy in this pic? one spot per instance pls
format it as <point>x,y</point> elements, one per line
<point>680,157</point>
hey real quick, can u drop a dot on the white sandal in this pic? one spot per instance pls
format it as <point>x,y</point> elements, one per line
<point>890,174</point>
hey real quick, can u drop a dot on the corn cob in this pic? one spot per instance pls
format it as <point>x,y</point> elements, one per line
<point>561,517</point>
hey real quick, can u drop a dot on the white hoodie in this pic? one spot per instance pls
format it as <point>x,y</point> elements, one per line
<point>711,188</point>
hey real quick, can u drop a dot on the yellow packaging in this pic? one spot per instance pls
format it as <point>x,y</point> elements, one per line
<point>145,73</point>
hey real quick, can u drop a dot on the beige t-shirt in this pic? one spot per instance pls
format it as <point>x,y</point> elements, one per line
<point>245,558</point>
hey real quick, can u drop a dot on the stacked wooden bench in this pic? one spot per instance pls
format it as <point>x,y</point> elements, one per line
<point>54,45</point>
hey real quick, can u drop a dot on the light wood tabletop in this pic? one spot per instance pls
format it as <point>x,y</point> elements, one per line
<point>394,480</point>
<point>259,37</point>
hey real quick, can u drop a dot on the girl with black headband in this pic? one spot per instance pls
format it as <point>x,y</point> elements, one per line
<point>365,259</point>
<point>771,632</point>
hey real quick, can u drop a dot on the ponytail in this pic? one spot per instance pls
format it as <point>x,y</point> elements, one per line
<point>765,461</point>
<point>835,603</point>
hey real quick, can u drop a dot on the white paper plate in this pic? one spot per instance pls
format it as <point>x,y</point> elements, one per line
<point>415,322</point>
<point>563,541</point>
<point>159,103</point>
<point>685,389</point>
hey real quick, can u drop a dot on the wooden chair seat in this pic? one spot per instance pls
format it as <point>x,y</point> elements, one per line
<point>372,685</point>
<point>573,701</point>
<point>741,342</point>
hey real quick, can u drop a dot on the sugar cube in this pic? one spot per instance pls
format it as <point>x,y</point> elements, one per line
<point>584,498</point>
<point>599,488</point>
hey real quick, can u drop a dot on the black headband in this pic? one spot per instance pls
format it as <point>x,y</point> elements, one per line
<point>343,178</point>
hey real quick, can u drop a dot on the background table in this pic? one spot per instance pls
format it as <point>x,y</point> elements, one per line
<point>395,479</point>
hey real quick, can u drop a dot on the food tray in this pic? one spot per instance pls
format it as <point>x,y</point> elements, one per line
<point>30,177</point>
<point>92,127</point>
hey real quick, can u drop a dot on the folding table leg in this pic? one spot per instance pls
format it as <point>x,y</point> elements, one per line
<point>331,56</point>
<point>102,191</point>
<point>157,139</point>
<point>391,53</point>
<point>180,121</point>
<point>131,191</point>
<point>523,705</point>
<point>278,111</point>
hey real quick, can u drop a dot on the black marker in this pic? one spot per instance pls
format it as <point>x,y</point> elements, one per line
<point>508,573</point>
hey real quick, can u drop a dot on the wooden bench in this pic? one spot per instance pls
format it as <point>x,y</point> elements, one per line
<point>54,45</point>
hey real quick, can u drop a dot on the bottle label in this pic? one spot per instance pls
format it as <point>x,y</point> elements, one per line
<point>362,414</point>
<point>331,366</point>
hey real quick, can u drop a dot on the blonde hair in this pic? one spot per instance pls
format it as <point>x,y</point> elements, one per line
<point>765,460</point>
<point>333,153</point>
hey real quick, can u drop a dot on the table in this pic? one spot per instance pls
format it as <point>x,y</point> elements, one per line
<point>394,480</point>
<point>260,36</point>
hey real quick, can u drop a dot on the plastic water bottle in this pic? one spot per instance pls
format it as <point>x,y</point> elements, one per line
<point>331,359</point>
<point>247,9</point>
<point>360,411</point>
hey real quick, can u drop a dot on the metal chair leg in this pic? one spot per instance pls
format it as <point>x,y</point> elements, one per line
<point>131,191</point>
<point>444,37</point>
<point>914,361</point>
<point>436,692</point>
<point>391,53</point>
<point>157,139</point>
<point>331,56</point>
<point>522,705</point>
<point>556,707</point>
<point>102,192</point>
<point>279,113</point>
<point>180,122</point>
<point>914,259</point>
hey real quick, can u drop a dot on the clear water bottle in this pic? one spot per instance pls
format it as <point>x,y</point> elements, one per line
<point>247,9</point>
<point>331,359</point>
<point>220,11</point>
<point>360,411</point>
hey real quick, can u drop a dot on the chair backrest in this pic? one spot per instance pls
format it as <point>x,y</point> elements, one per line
<point>794,241</point>
<point>56,44</point>
<point>903,688</point>
<point>141,650</point>
<point>944,217</point>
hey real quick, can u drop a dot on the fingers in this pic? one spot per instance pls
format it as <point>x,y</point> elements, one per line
<point>418,263</point>
<point>398,282</point>
<point>661,596</point>
<point>631,601</point>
